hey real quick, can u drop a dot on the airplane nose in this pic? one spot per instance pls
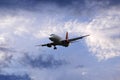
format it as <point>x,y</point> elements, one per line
<point>51,38</point>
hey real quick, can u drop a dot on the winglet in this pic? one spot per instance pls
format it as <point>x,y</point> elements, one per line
<point>84,36</point>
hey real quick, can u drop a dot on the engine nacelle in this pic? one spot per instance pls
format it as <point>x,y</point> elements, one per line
<point>49,45</point>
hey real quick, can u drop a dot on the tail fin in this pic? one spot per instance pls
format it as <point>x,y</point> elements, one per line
<point>66,36</point>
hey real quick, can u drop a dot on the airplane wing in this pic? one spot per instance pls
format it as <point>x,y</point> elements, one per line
<point>74,39</point>
<point>48,44</point>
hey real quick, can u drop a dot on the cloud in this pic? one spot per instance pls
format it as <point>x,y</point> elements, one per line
<point>105,35</point>
<point>40,24</point>
<point>44,61</point>
<point>36,67</point>
<point>5,49</point>
<point>32,4</point>
<point>13,77</point>
<point>22,29</point>
<point>28,4</point>
<point>114,2</point>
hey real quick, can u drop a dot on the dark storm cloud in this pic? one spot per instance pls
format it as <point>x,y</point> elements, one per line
<point>3,49</point>
<point>62,2</point>
<point>31,4</point>
<point>114,2</point>
<point>44,61</point>
<point>13,77</point>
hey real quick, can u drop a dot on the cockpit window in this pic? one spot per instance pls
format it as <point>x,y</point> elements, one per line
<point>52,34</point>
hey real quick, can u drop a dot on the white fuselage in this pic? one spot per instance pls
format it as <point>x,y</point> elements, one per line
<point>55,38</point>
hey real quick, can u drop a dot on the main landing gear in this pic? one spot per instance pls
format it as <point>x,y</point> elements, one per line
<point>55,47</point>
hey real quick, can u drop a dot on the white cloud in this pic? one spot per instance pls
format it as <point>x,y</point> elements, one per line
<point>103,29</point>
<point>25,29</point>
<point>105,35</point>
<point>2,57</point>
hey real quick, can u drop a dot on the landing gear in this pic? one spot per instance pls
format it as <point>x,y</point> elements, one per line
<point>55,47</point>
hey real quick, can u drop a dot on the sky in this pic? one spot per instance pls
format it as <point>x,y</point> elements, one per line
<point>26,23</point>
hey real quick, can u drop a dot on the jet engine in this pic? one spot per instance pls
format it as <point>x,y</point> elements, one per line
<point>49,45</point>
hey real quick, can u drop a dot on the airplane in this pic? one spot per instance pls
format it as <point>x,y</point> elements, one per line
<point>58,41</point>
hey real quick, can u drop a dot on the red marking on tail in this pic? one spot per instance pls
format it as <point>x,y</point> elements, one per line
<point>67,36</point>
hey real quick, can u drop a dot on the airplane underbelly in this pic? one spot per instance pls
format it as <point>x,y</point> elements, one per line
<point>65,44</point>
